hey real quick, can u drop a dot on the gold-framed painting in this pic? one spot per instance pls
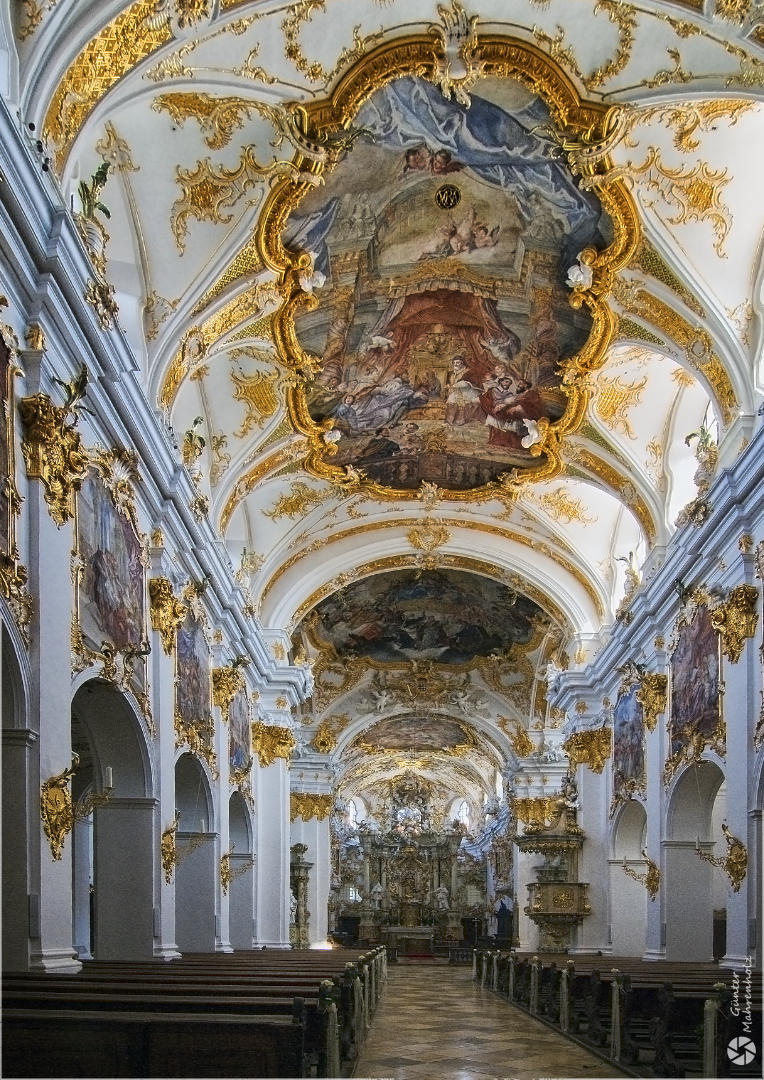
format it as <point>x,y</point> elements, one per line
<point>428,351</point>
<point>194,720</point>
<point>239,736</point>
<point>629,768</point>
<point>110,610</point>
<point>696,689</point>
<point>13,576</point>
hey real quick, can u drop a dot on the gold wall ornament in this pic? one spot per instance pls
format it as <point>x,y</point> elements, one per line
<point>53,452</point>
<point>226,684</point>
<point>590,748</point>
<point>167,849</point>
<point>314,71</point>
<point>652,696</point>
<point>118,468</point>
<point>13,575</point>
<point>734,863</point>
<point>300,501</point>
<point>100,295</point>
<point>281,703</point>
<point>278,650</point>
<point>458,66</point>
<point>110,55</point>
<point>696,192</point>
<point>270,742</point>
<point>428,536</point>
<point>521,742</point>
<point>613,400</point>
<point>200,506</point>
<point>258,394</point>
<point>624,17</point>
<point>736,620</point>
<point>33,16</point>
<point>651,879</point>
<point>502,57</point>
<point>734,11</point>
<point>207,191</point>
<point>218,117</point>
<point>249,481</point>
<point>56,808</point>
<point>306,805</point>
<point>325,739</point>
<point>563,507</point>
<point>227,874</point>
<point>167,612</point>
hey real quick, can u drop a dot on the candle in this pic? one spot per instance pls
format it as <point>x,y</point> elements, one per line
<point>201,825</point>
<point>697,843</point>
<point>624,860</point>
<point>109,777</point>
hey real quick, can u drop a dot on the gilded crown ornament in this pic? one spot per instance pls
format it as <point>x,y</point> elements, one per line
<point>167,612</point>
<point>226,684</point>
<point>306,805</point>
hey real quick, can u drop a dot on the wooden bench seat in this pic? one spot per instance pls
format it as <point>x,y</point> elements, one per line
<point>73,1043</point>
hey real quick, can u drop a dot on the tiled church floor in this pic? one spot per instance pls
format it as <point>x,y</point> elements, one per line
<point>435,1023</point>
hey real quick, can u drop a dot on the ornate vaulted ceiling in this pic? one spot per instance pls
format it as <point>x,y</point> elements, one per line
<point>401,190</point>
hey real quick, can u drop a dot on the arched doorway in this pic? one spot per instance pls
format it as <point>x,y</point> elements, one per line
<point>241,890</point>
<point>689,880</point>
<point>113,847</point>
<point>196,869</point>
<point>628,898</point>
<point>18,781</point>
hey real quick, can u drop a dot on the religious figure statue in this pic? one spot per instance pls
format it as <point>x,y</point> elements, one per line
<point>292,908</point>
<point>377,894</point>
<point>441,898</point>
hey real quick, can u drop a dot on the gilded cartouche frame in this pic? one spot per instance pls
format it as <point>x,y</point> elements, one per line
<point>82,655</point>
<point>691,753</point>
<point>580,123</point>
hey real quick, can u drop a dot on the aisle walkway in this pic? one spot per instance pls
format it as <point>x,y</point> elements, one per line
<point>435,1023</point>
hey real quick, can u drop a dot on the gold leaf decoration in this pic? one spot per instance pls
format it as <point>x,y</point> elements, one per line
<point>53,452</point>
<point>325,739</point>
<point>652,697</point>
<point>590,748</point>
<point>520,740</point>
<point>315,71</point>
<point>614,399</point>
<point>258,394</point>
<point>56,809</point>
<point>271,742</point>
<point>218,117</point>
<point>112,53</point>
<point>736,620</point>
<point>300,501</point>
<point>563,507</point>
<point>167,612</point>
<point>307,805</point>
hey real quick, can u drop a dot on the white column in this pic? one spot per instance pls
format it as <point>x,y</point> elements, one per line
<point>741,705</point>
<point>162,668</point>
<point>220,795</point>
<point>123,872</point>
<point>689,933</point>
<point>315,835</point>
<point>50,575</point>
<point>272,867</point>
<point>656,742</point>
<point>592,933</point>
<point>627,908</point>
<point>83,874</point>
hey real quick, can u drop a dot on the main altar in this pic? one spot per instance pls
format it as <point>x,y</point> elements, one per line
<point>410,884</point>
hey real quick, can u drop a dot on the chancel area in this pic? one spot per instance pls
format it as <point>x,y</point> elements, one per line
<point>382,528</point>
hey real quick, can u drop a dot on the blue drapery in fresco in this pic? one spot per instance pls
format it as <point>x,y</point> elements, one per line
<point>499,149</point>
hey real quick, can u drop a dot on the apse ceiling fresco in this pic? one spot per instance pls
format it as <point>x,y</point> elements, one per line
<point>445,616</point>
<point>432,300</point>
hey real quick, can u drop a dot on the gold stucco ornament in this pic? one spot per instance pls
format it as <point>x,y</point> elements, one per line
<point>736,620</point>
<point>734,863</point>
<point>56,808</point>
<point>167,612</point>
<point>590,748</point>
<point>270,742</point>
<point>307,805</point>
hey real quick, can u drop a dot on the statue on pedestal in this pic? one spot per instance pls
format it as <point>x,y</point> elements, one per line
<point>441,898</point>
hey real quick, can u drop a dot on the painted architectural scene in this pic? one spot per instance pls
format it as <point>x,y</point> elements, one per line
<point>239,735</point>
<point>193,701</point>
<point>628,745</point>
<point>445,237</point>
<point>695,698</point>
<point>416,734</point>
<point>112,588</point>
<point>444,616</point>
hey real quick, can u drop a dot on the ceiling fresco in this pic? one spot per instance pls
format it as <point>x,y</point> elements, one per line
<point>431,208</point>
<point>445,237</point>
<point>416,735</point>
<point>444,616</point>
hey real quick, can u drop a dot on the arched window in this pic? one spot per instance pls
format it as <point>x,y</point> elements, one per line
<point>352,813</point>
<point>463,813</point>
